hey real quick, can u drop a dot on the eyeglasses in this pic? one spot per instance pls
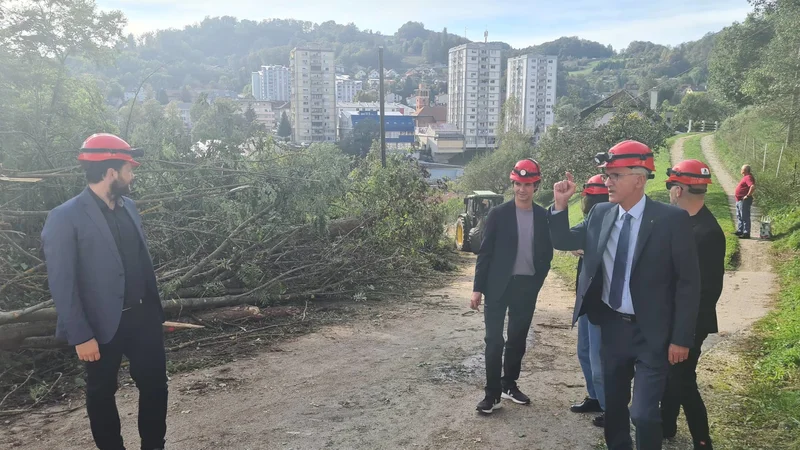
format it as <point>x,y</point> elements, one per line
<point>615,176</point>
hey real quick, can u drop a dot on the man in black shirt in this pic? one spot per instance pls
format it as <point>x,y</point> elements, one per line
<point>130,248</point>
<point>104,287</point>
<point>687,185</point>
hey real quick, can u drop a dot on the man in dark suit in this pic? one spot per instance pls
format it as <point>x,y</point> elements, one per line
<point>513,262</point>
<point>687,184</point>
<point>640,282</point>
<point>104,287</point>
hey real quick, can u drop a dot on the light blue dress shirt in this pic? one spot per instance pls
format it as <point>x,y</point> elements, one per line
<point>611,250</point>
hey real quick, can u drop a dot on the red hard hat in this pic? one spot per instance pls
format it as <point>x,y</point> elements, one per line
<point>105,146</point>
<point>627,154</point>
<point>526,171</point>
<point>595,186</point>
<point>689,172</point>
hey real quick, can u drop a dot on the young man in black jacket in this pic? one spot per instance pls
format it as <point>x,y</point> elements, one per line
<point>513,262</point>
<point>687,184</point>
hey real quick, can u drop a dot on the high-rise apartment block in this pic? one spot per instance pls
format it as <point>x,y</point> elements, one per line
<point>531,85</point>
<point>346,89</point>
<point>313,95</point>
<point>474,93</point>
<point>272,83</point>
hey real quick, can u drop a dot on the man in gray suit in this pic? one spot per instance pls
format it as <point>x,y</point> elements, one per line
<point>104,287</point>
<point>640,282</point>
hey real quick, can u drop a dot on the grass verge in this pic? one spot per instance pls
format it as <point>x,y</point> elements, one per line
<point>717,203</point>
<point>756,398</point>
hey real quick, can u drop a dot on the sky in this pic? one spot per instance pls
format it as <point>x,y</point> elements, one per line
<point>520,23</point>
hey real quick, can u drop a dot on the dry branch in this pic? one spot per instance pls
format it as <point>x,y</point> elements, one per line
<point>15,316</point>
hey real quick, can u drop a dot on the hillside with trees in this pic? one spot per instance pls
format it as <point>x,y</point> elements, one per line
<point>221,53</point>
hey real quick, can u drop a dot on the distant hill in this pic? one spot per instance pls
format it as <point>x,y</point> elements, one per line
<point>221,52</point>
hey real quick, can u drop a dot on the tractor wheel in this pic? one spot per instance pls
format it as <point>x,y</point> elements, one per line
<point>462,236</point>
<point>475,236</point>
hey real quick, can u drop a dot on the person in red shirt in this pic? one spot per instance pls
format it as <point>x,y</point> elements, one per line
<point>744,199</point>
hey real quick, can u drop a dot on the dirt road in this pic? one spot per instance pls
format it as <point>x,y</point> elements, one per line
<point>748,291</point>
<point>408,378</point>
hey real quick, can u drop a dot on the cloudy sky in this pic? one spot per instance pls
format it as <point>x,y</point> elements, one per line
<point>518,22</point>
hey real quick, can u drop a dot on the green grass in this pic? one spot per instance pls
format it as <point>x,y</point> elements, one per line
<point>756,403</point>
<point>765,386</point>
<point>586,70</point>
<point>717,202</point>
<point>771,189</point>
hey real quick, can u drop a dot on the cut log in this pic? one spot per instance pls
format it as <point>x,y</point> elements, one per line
<point>172,326</point>
<point>11,336</point>
<point>228,314</point>
<point>42,323</point>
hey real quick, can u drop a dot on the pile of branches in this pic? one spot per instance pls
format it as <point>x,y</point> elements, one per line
<point>273,226</point>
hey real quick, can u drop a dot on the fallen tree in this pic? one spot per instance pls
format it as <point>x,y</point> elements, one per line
<point>255,236</point>
<point>275,238</point>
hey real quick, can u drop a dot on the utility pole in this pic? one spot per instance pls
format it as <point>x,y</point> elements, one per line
<point>383,112</point>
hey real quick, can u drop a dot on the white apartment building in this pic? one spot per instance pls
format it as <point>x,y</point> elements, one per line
<point>474,93</point>
<point>531,83</point>
<point>313,100</point>
<point>346,89</point>
<point>272,84</point>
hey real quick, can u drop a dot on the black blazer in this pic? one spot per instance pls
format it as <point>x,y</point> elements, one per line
<point>499,250</point>
<point>665,277</point>
<point>711,253</point>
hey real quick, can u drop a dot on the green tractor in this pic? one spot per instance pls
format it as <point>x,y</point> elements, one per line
<point>470,223</point>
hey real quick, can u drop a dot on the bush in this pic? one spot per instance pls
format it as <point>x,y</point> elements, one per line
<point>410,214</point>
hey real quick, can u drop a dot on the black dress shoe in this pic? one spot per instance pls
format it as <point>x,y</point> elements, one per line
<point>588,405</point>
<point>599,421</point>
<point>744,236</point>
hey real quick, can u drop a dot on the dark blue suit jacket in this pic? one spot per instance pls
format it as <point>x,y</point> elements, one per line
<point>665,277</point>
<point>85,272</point>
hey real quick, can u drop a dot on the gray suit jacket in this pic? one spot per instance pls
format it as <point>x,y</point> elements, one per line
<point>85,272</point>
<point>665,277</point>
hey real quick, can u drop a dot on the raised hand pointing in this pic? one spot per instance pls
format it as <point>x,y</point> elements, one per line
<point>563,191</point>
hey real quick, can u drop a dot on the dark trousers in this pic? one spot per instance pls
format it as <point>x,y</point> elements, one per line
<point>519,299</point>
<point>682,391</point>
<point>626,356</point>
<point>140,337</point>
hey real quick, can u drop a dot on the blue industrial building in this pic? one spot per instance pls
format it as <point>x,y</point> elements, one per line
<point>399,128</point>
